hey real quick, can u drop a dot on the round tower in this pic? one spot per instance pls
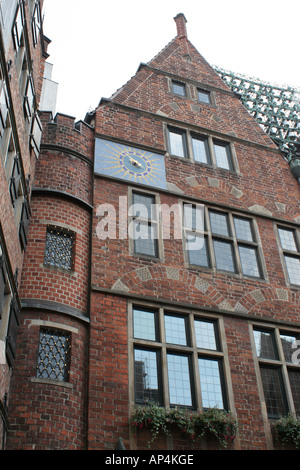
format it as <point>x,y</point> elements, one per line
<point>48,402</point>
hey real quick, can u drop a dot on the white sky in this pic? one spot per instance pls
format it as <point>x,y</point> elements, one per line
<point>97,45</point>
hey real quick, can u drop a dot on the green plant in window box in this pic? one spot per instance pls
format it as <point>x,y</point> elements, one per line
<point>287,431</point>
<point>215,423</point>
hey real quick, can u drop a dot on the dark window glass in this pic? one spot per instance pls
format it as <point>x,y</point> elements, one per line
<point>289,345</point>
<point>146,375</point>
<point>145,239</point>
<point>194,218</point>
<point>54,355</point>
<point>294,376</point>
<point>59,248</point>
<point>273,391</point>
<point>265,344</point>
<point>143,205</point>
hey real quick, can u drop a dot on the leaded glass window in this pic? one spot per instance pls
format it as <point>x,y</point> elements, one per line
<point>278,357</point>
<point>200,148</point>
<point>221,241</point>
<point>167,346</point>
<point>59,248</point>
<point>145,229</point>
<point>54,354</point>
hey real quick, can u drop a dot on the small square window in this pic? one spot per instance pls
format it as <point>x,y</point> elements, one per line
<point>59,248</point>
<point>54,355</point>
<point>204,96</point>
<point>178,88</point>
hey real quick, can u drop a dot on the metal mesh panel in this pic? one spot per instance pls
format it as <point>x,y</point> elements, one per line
<point>275,108</point>
<point>54,355</point>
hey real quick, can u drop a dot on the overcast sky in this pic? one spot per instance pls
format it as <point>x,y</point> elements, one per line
<point>97,45</point>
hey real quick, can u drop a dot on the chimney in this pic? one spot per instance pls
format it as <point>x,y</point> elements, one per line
<point>181,21</point>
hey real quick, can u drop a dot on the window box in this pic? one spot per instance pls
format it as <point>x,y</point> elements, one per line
<point>217,424</point>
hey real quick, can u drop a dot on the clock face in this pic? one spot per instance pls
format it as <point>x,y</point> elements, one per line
<point>135,163</point>
<point>129,163</point>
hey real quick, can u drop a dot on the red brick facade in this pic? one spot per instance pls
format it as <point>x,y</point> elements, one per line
<point>94,300</point>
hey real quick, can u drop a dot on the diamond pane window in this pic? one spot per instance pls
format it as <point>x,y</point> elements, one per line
<point>59,248</point>
<point>54,355</point>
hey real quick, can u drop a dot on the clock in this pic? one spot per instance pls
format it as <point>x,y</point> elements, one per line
<point>129,163</point>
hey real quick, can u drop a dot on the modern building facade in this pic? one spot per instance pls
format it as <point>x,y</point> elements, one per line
<point>161,265</point>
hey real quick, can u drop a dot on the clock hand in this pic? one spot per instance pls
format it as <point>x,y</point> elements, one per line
<point>134,162</point>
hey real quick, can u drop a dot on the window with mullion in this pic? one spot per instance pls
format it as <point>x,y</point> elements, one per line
<point>221,241</point>
<point>279,369</point>
<point>167,346</point>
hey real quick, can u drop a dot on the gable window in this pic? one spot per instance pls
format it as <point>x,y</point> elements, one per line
<point>289,244</point>
<point>223,241</point>
<point>59,248</point>
<point>54,355</point>
<point>200,148</point>
<point>181,350</point>
<point>280,372</point>
<point>178,88</point>
<point>203,96</point>
<point>144,224</point>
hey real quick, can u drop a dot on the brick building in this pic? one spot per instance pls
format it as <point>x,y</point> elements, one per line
<point>161,264</point>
